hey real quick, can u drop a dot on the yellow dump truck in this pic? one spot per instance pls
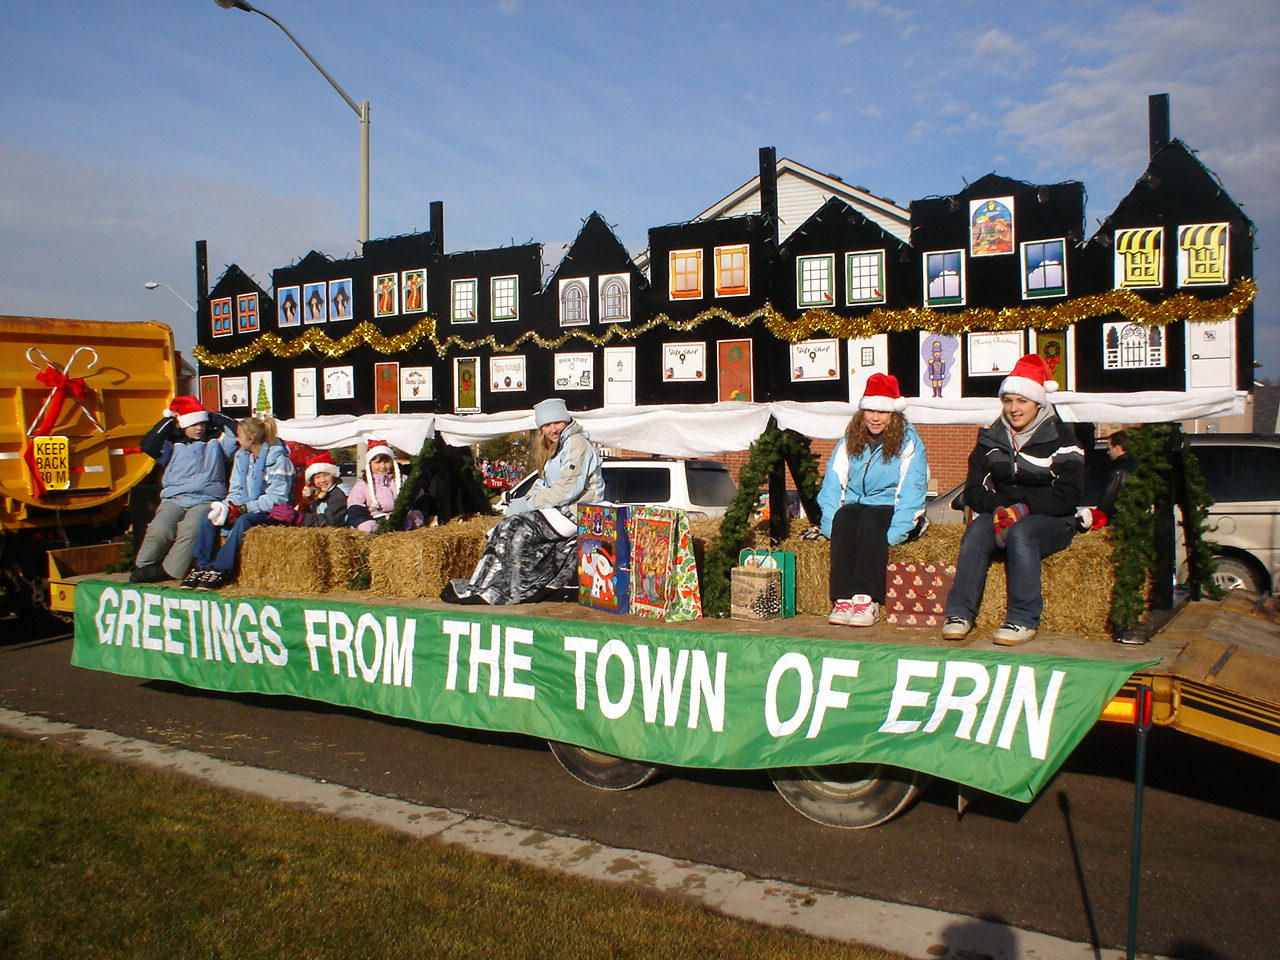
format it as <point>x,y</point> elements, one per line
<point>80,395</point>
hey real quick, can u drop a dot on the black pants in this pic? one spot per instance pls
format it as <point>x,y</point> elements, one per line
<point>859,551</point>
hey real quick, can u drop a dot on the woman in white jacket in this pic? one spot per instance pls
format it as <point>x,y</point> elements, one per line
<point>532,553</point>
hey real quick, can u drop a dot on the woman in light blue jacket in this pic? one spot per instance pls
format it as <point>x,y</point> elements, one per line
<point>532,554</point>
<point>261,478</point>
<point>872,497</point>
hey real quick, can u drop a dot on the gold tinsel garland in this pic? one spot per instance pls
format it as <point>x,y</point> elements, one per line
<point>1183,306</point>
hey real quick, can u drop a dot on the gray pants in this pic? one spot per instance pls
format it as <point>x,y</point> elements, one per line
<point>171,536</point>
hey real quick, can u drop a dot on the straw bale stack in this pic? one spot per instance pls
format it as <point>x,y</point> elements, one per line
<point>308,560</point>
<point>1078,582</point>
<point>418,563</point>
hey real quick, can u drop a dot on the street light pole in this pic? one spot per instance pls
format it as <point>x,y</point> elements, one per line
<point>361,109</point>
<point>152,284</point>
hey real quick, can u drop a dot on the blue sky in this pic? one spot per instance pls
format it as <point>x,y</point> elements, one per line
<point>136,127</point>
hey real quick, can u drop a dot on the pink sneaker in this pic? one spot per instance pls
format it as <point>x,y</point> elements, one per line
<point>865,611</point>
<point>841,614</point>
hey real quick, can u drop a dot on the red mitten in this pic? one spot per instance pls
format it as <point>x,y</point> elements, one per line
<point>283,513</point>
<point>1006,517</point>
<point>234,512</point>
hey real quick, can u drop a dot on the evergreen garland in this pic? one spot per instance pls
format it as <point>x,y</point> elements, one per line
<point>771,447</point>
<point>409,487</point>
<point>1133,526</point>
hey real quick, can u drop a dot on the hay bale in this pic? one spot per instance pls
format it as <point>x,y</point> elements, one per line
<point>308,560</point>
<point>418,563</point>
<point>1078,583</point>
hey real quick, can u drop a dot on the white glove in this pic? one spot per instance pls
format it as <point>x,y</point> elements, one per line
<point>218,511</point>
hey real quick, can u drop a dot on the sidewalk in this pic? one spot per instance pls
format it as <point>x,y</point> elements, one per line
<point>914,931</point>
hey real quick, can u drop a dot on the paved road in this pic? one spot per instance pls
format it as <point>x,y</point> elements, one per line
<point>1060,865</point>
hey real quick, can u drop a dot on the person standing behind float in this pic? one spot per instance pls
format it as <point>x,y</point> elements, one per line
<point>194,448</point>
<point>872,497</point>
<point>1026,476</point>
<point>261,478</point>
<point>533,550</point>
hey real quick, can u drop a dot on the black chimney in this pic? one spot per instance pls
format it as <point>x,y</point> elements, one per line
<point>437,225</point>
<point>1158,121</point>
<point>769,187</point>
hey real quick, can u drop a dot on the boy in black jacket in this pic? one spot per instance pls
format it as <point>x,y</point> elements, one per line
<point>1025,479</point>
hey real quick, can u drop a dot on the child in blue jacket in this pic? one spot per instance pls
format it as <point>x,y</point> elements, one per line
<point>261,478</point>
<point>872,497</point>
<point>194,447</point>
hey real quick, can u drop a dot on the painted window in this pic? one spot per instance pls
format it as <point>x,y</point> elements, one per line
<point>1044,268</point>
<point>686,274</point>
<point>944,278</point>
<point>247,313</point>
<point>733,275</point>
<point>1139,257</point>
<point>574,303</point>
<point>615,299</point>
<point>864,277</point>
<point>815,280</point>
<point>220,313</point>
<point>1202,254</point>
<point>503,298</point>
<point>462,295</point>
<point>1130,346</point>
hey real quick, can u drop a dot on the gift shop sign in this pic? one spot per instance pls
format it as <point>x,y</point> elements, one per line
<point>53,461</point>
<point>1000,722</point>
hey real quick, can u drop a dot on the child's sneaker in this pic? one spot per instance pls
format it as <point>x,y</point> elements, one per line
<point>211,580</point>
<point>865,611</point>
<point>1012,635</point>
<point>841,613</point>
<point>192,579</point>
<point>956,628</point>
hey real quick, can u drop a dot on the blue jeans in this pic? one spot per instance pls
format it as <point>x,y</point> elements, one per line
<point>1029,541</point>
<point>209,556</point>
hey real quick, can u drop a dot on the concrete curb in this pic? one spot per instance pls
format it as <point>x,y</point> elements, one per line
<point>914,931</point>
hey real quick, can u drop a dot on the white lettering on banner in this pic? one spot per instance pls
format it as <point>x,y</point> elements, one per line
<point>1023,702</point>
<point>498,656</point>
<point>155,623</point>
<point>828,697</point>
<point>707,689</point>
<point>360,650</point>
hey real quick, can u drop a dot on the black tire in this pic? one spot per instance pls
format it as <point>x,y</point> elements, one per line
<point>1232,573</point>
<point>600,770</point>
<point>851,796</point>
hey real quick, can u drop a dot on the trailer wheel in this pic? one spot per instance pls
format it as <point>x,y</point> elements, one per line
<point>600,770</point>
<point>1232,573</point>
<point>852,796</point>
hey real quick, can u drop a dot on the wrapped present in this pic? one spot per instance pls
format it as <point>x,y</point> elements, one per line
<point>664,575</point>
<point>604,557</point>
<point>915,594</point>
<point>755,593</point>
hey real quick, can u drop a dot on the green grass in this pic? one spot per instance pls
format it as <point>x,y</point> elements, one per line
<point>100,861</point>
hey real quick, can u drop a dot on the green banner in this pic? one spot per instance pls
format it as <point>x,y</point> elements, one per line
<point>1000,722</point>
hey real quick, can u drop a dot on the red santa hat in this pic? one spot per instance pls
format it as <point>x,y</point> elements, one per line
<point>188,411</point>
<point>882,394</point>
<point>1031,379</point>
<point>321,463</point>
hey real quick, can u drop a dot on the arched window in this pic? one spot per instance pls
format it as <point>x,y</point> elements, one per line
<point>574,309</point>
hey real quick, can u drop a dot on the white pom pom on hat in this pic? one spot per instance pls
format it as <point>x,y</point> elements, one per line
<point>188,411</point>
<point>882,393</point>
<point>1030,378</point>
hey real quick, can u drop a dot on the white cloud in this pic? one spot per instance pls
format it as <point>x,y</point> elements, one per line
<point>852,36</point>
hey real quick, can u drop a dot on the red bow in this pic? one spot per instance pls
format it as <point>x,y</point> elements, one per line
<point>62,384</point>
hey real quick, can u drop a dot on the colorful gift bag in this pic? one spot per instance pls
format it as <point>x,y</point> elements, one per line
<point>783,560</point>
<point>755,593</point>
<point>664,576</point>
<point>915,594</point>
<point>604,557</point>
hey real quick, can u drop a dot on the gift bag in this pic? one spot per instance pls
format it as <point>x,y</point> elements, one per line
<point>755,593</point>
<point>664,576</point>
<point>783,560</point>
<point>915,594</point>
<point>604,557</point>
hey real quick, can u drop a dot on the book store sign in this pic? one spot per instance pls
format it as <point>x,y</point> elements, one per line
<point>53,461</point>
